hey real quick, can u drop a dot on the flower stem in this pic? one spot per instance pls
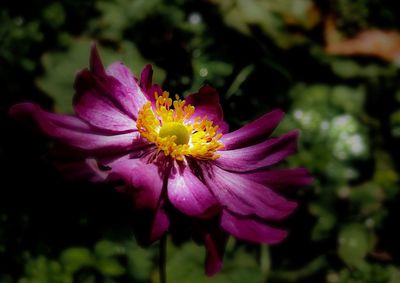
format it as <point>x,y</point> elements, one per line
<point>265,262</point>
<point>162,259</point>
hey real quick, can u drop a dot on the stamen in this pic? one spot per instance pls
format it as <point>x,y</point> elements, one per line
<point>171,131</point>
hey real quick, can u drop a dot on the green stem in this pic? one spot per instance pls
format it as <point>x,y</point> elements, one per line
<point>162,259</point>
<point>265,262</point>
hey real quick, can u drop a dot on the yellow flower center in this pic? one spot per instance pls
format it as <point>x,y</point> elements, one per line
<point>169,128</point>
<point>175,129</point>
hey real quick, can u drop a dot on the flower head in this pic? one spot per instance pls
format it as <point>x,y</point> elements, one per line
<point>174,154</point>
<point>174,133</point>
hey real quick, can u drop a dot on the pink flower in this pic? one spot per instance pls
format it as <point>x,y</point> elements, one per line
<point>175,154</point>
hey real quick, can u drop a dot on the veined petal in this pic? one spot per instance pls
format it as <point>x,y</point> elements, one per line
<point>96,102</point>
<point>132,97</point>
<point>145,184</point>
<point>107,99</point>
<point>253,132</point>
<point>145,181</point>
<point>72,131</point>
<point>188,194</point>
<point>206,103</point>
<point>246,197</point>
<point>260,155</point>
<point>146,84</point>
<point>252,230</point>
<point>67,121</point>
<point>281,178</point>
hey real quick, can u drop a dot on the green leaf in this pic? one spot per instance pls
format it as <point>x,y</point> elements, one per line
<point>43,270</point>
<point>110,267</point>
<point>354,244</point>
<point>54,15</point>
<point>75,258</point>
<point>106,248</point>
<point>140,261</point>
<point>326,221</point>
<point>394,275</point>
<point>185,264</point>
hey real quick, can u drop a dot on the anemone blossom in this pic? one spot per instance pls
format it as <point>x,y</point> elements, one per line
<point>174,154</point>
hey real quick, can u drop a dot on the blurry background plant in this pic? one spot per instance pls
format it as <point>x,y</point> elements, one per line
<point>333,66</point>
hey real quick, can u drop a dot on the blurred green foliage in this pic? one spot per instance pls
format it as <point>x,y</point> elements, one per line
<point>260,55</point>
<point>80,264</point>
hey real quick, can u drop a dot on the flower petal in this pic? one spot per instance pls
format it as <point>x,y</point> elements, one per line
<point>215,242</point>
<point>160,223</point>
<point>132,96</point>
<point>144,180</point>
<point>260,155</point>
<point>151,225</point>
<point>72,131</point>
<point>108,99</point>
<point>96,102</point>
<point>206,103</point>
<point>146,84</point>
<point>85,169</point>
<point>188,194</point>
<point>146,77</point>
<point>253,132</point>
<point>281,178</point>
<point>250,229</point>
<point>145,184</point>
<point>246,197</point>
<point>96,66</point>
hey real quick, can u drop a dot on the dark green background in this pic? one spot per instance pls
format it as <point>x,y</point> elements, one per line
<point>260,55</point>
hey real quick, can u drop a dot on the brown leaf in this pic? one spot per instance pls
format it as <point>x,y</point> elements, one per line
<point>384,44</point>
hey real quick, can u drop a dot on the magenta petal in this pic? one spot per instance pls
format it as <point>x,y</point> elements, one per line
<point>144,179</point>
<point>246,197</point>
<point>147,85</point>
<point>96,66</point>
<point>215,242</point>
<point>160,223</point>
<point>260,155</point>
<point>146,77</point>
<point>116,89</point>
<point>253,132</point>
<point>281,178</point>
<point>188,194</point>
<point>145,184</point>
<point>72,131</point>
<point>101,113</point>
<point>250,229</point>
<point>206,103</point>
<point>131,97</point>
<point>96,102</point>
<point>86,169</point>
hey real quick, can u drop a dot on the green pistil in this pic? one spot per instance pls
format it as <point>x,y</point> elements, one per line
<point>175,129</point>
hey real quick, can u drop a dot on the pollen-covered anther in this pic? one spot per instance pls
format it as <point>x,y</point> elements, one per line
<point>169,127</point>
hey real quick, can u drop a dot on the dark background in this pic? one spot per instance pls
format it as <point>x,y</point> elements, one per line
<point>332,66</point>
